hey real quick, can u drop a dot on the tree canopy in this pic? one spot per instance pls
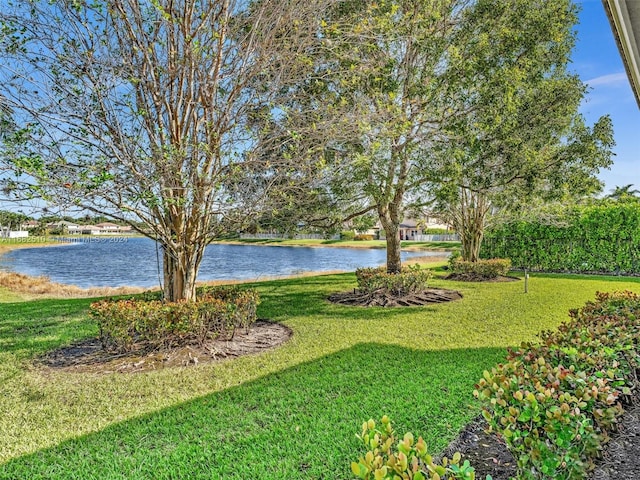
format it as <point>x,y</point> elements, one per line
<point>144,110</point>
<point>468,101</point>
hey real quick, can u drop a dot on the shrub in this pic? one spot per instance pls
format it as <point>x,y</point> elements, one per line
<point>407,459</point>
<point>363,237</point>
<point>603,238</point>
<point>411,279</point>
<point>153,324</point>
<point>555,402</point>
<point>347,235</point>
<point>482,268</point>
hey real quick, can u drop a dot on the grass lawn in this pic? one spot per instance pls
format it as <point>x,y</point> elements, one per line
<point>344,243</point>
<point>288,413</point>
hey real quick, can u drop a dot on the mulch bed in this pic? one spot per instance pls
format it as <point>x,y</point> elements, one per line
<point>489,455</point>
<point>88,356</point>
<point>383,298</point>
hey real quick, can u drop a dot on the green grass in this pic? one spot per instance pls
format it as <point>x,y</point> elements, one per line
<point>344,243</point>
<point>291,412</point>
<point>7,296</point>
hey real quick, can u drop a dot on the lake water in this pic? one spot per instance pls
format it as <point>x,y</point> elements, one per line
<point>98,262</point>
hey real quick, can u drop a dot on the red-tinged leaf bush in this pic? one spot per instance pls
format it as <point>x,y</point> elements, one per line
<point>485,269</point>
<point>150,324</point>
<point>387,458</point>
<point>555,402</point>
<point>412,279</point>
<point>363,237</point>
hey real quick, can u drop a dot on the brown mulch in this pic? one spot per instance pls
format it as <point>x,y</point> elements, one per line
<point>489,455</point>
<point>88,356</point>
<point>486,452</point>
<point>383,298</point>
<point>474,277</point>
<point>621,456</point>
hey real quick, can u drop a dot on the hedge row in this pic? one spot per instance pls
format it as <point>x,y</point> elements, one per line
<point>598,239</point>
<point>151,324</point>
<point>555,402</point>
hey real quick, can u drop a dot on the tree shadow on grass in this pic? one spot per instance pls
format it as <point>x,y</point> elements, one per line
<point>299,423</point>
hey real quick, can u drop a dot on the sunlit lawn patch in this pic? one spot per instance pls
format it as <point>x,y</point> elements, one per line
<point>287,413</point>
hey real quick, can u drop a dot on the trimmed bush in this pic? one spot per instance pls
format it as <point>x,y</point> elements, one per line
<point>363,237</point>
<point>412,279</point>
<point>152,324</point>
<point>389,459</point>
<point>437,231</point>
<point>491,268</point>
<point>347,235</point>
<point>555,402</point>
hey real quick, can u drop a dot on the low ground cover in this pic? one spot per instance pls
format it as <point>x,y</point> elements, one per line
<point>288,413</point>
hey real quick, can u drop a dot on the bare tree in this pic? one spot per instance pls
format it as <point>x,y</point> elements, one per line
<point>145,110</point>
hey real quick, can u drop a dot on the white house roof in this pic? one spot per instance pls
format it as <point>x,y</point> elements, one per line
<point>624,16</point>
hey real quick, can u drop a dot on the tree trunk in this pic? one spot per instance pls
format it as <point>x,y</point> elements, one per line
<point>394,261</point>
<point>471,241</point>
<point>469,222</point>
<point>390,224</point>
<point>180,271</point>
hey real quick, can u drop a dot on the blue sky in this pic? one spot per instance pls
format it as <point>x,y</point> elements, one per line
<point>597,60</point>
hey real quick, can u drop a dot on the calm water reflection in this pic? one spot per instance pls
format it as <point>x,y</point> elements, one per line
<point>132,261</point>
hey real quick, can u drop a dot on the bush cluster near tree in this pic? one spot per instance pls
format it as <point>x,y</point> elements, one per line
<point>603,238</point>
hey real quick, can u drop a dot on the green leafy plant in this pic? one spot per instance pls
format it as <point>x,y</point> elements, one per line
<point>411,279</point>
<point>602,238</point>
<point>153,324</point>
<point>491,268</point>
<point>347,235</point>
<point>555,402</point>
<point>389,459</point>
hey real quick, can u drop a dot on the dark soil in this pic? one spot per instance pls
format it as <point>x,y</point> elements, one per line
<point>88,356</point>
<point>384,298</point>
<point>488,454</point>
<point>621,456</point>
<point>474,277</point>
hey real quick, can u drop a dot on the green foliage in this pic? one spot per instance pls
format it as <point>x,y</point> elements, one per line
<point>154,324</point>
<point>347,235</point>
<point>363,237</point>
<point>411,279</point>
<point>555,401</point>
<point>217,420</point>
<point>603,238</point>
<point>490,268</point>
<point>405,460</point>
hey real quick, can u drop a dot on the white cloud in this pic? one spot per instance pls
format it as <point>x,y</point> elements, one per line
<point>611,80</point>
